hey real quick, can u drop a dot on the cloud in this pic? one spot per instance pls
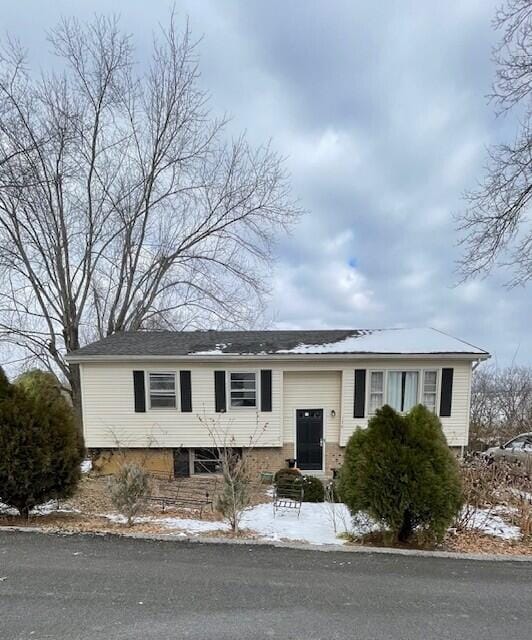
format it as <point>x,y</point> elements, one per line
<point>380,110</point>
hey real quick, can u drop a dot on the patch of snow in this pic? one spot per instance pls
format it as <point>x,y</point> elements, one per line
<point>86,466</point>
<point>45,509</point>
<point>493,525</point>
<point>217,351</point>
<point>314,524</point>
<point>187,525</point>
<point>421,340</point>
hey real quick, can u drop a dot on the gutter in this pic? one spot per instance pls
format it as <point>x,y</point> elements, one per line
<point>281,357</point>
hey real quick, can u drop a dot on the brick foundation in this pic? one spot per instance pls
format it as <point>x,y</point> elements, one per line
<point>161,461</point>
<point>108,461</point>
<point>270,458</point>
<point>334,457</point>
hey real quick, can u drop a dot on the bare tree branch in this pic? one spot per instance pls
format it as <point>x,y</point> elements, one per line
<point>496,227</point>
<point>122,203</point>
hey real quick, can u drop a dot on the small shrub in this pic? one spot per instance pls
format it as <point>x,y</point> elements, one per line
<point>41,448</point>
<point>286,474</point>
<point>286,481</point>
<point>331,491</point>
<point>401,472</point>
<point>129,489</point>
<point>238,487</point>
<point>313,489</point>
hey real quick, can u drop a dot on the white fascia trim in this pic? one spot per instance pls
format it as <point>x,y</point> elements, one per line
<point>282,357</point>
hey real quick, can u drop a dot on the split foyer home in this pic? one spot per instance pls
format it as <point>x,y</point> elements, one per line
<point>157,396</point>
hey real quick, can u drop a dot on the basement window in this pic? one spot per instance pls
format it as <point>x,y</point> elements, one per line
<point>209,460</point>
<point>162,390</point>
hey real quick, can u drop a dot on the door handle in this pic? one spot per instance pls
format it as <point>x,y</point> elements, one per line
<point>321,442</point>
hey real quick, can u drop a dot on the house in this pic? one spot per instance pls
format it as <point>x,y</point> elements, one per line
<point>297,394</point>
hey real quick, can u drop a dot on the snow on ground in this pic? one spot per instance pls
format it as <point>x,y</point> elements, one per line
<point>493,525</point>
<point>86,466</point>
<point>315,523</point>
<point>186,525</point>
<point>41,510</point>
<point>318,523</point>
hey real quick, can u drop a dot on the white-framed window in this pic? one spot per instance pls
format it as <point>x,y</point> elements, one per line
<point>376,390</point>
<point>162,390</point>
<point>430,389</point>
<point>243,389</point>
<point>402,390</point>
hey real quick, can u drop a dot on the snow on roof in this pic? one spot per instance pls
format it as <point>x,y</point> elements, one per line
<point>407,341</point>
<point>145,344</point>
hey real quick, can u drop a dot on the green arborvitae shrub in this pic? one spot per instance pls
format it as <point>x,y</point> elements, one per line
<point>41,449</point>
<point>286,480</point>
<point>129,489</point>
<point>313,489</point>
<point>402,473</point>
<point>287,475</point>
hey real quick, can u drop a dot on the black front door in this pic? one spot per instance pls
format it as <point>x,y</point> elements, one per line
<point>309,439</point>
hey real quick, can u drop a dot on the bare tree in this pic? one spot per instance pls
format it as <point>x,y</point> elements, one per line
<point>496,226</point>
<point>501,405</point>
<point>122,204</point>
<point>240,482</point>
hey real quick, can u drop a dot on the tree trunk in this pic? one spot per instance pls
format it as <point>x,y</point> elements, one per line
<point>75,390</point>
<point>406,530</point>
<point>24,512</point>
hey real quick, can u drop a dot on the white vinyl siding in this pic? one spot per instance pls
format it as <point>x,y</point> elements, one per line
<point>304,389</point>
<point>109,417</point>
<point>110,420</point>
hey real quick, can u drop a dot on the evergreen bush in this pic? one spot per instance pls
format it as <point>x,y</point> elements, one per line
<point>402,473</point>
<point>40,447</point>
<point>286,474</point>
<point>286,480</point>
<point>313,489</point>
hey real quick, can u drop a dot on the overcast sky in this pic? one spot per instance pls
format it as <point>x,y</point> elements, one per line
<point>380,110</point>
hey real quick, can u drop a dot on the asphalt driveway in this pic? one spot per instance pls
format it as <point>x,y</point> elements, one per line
<point>107,588</point>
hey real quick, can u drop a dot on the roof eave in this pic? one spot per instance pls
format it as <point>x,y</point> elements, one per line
<point>80,359</point>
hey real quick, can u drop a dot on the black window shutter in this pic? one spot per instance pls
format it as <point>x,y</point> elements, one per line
<point>266,389</point>
<point>185,387</point>
<point>359,409</point>
<point>139,391</point>
<point>219,391</point>
<point>446,392</point>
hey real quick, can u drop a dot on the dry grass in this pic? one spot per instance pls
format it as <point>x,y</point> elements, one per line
<point>92,501</point>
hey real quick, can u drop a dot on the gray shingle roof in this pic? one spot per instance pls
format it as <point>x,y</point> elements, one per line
<point>214,343</point>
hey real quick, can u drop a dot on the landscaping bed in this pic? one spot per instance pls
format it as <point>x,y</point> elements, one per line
<point>90,510</point>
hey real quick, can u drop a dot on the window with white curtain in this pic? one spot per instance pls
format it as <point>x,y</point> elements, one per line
<point>401,389</point>
<point>430,389</point>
